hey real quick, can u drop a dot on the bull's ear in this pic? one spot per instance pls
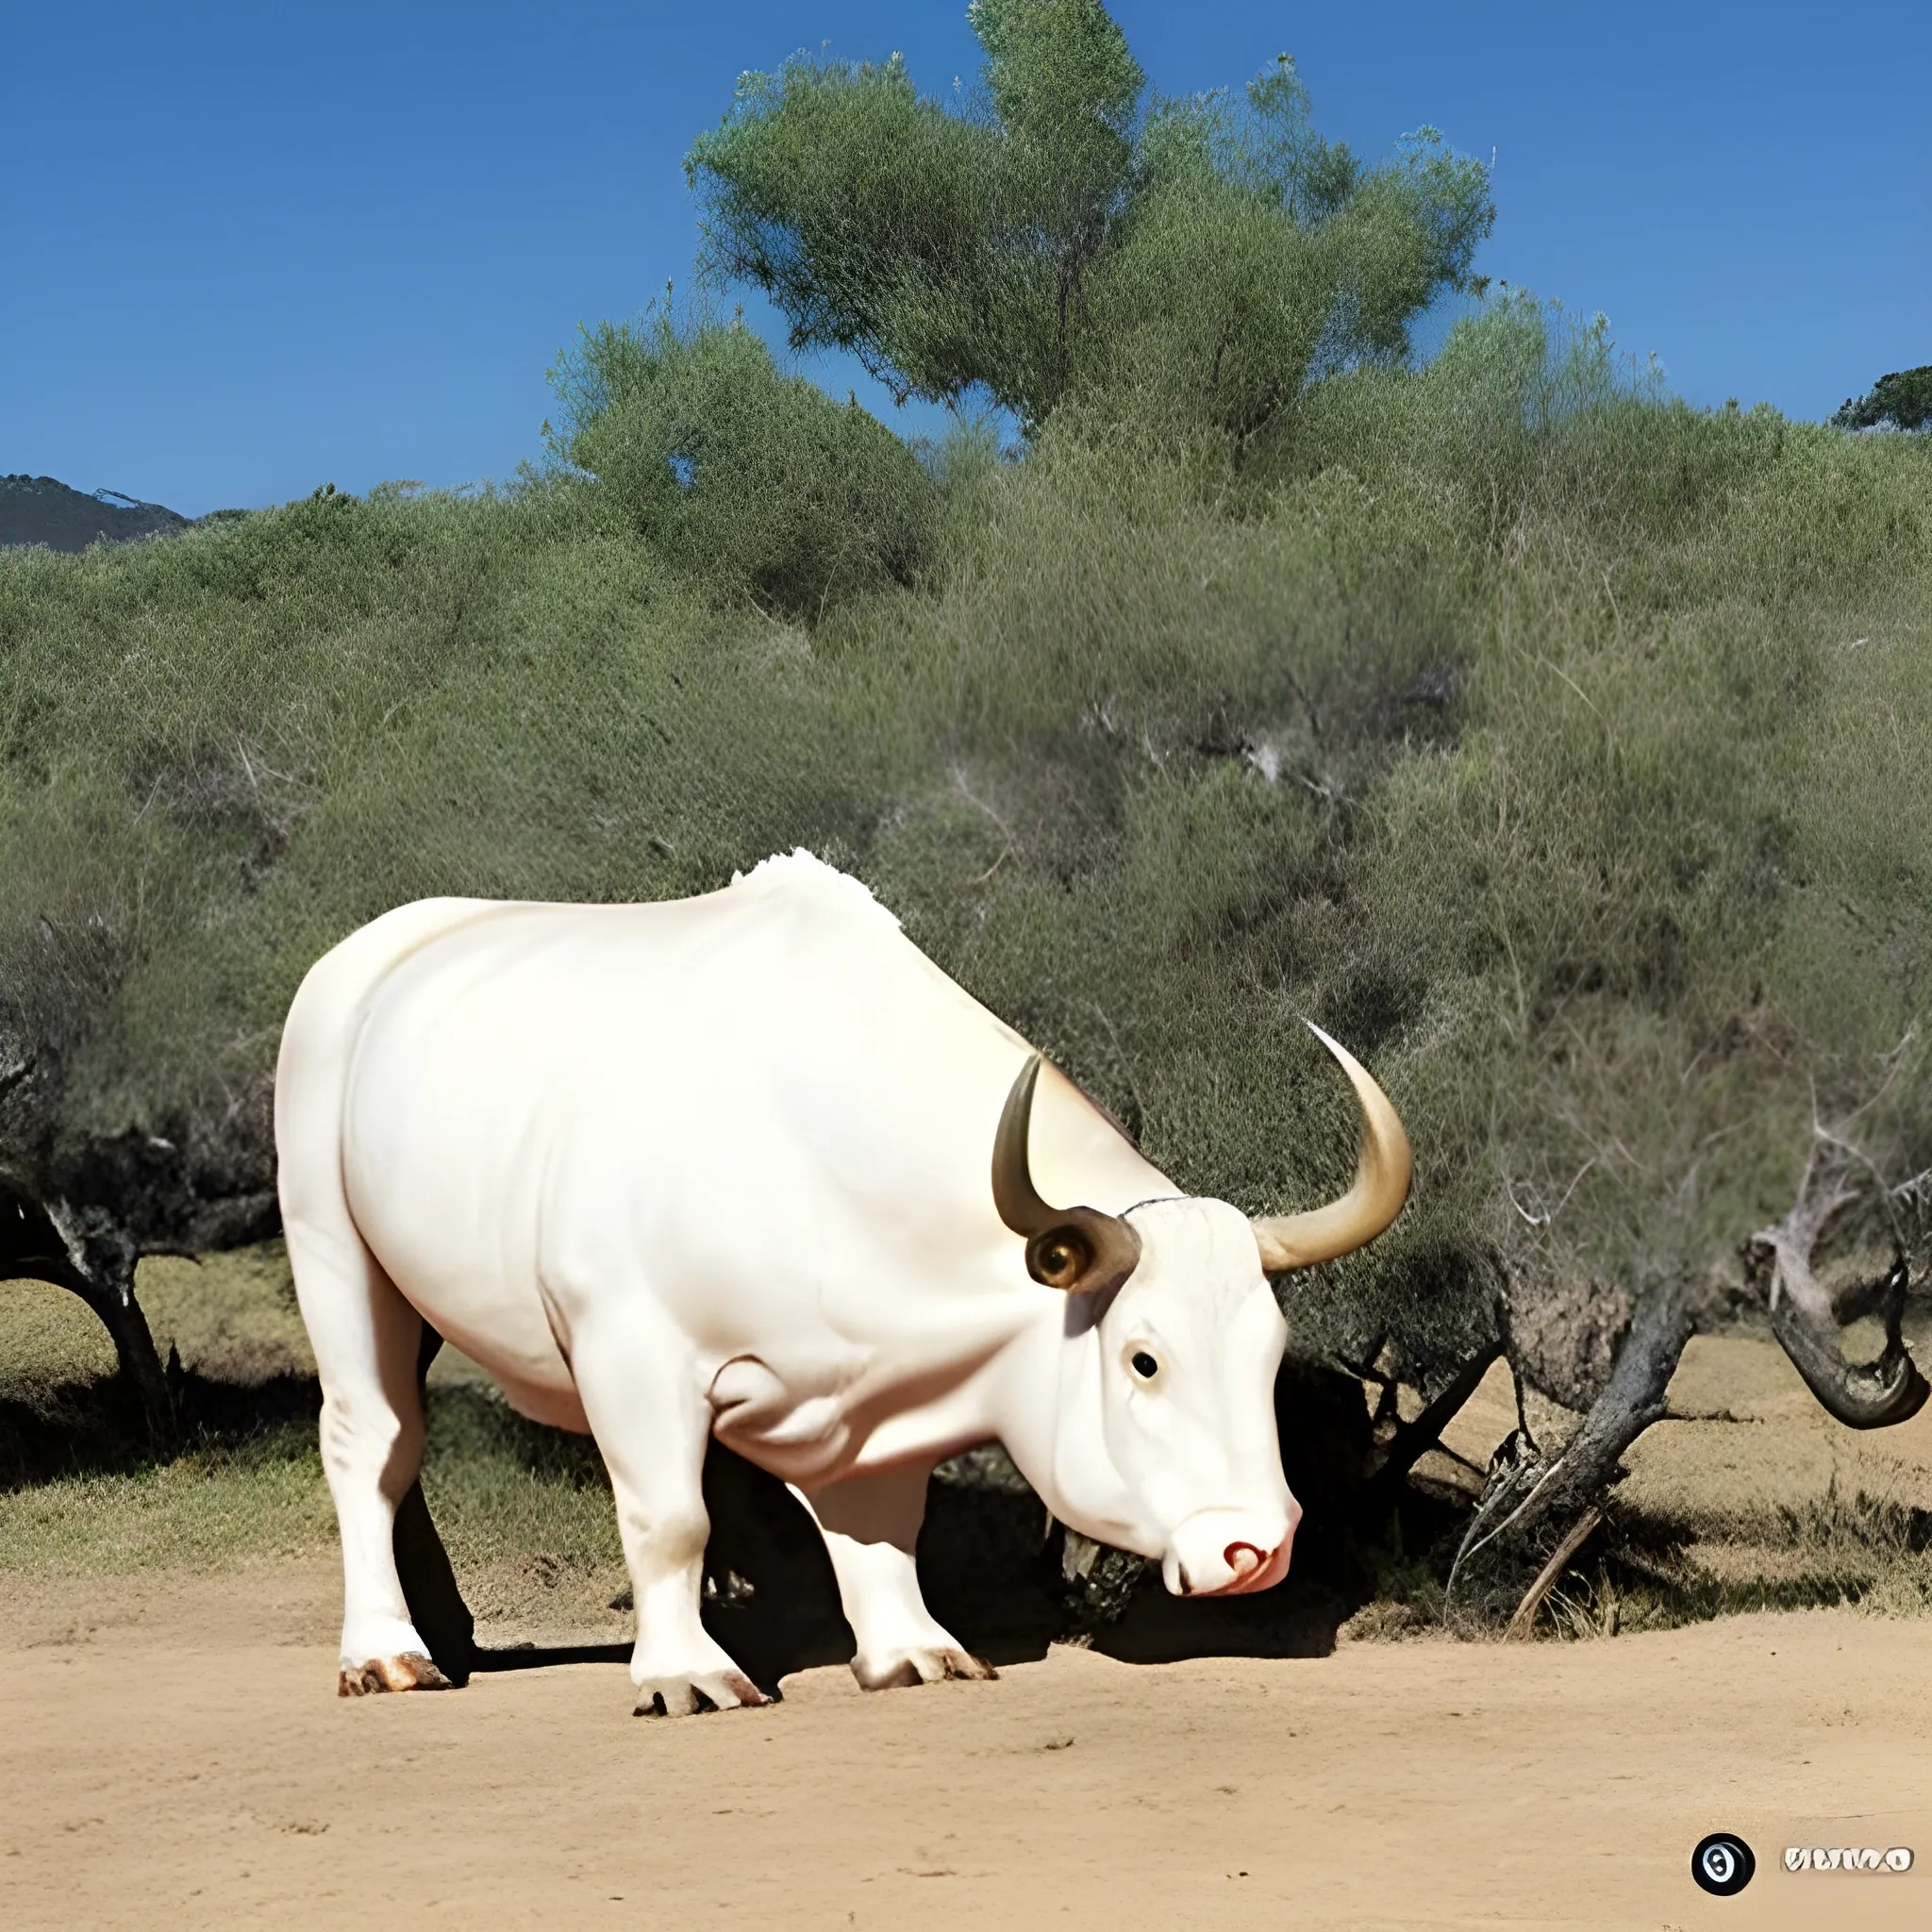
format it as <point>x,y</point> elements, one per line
<point>1077,1250</point>
<point>1086,1252</point>
<point>1059,1256</point>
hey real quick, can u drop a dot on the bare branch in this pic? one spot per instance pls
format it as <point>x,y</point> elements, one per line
<point>1412,1441</point>
<point>1803,1316</point>
<point>1524,1622</point>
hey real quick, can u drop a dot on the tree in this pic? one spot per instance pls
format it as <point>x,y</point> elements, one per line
<point>1902,399</point>
<point>1056,234</point>
<point>80,1206</point>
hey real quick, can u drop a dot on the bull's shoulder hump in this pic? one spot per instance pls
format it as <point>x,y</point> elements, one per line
<point>800,878</point>
<point>843,914</point>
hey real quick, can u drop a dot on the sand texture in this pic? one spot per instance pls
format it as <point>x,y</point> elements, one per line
<point>178,1759</point>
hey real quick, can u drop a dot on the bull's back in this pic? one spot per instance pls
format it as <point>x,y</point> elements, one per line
<point>764,1107</point>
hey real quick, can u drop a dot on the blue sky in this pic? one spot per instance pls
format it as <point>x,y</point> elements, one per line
<point>251,248</point>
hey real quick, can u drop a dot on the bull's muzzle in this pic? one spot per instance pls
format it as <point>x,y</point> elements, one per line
<point>1229,1552</point>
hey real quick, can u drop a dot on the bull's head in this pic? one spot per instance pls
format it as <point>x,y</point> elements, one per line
<point>1164,1441</point>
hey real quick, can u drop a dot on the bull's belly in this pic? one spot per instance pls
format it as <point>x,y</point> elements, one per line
<point>803,1414</point>
<point>796,1417</point>
<point>783,1393</point>
<point>509,1338</point>
<point>495,1315</point>
<point>542,1391</point>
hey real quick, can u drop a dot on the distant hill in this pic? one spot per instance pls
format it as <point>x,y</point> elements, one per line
<point>37,509</point>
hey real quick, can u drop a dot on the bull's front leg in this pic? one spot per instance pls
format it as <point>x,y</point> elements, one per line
<point>637,1381</point>
<point>870,1526</point>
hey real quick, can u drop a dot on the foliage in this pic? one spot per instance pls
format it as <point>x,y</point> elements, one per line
<point>738,474</point>
<point>1902,400</point>
<point>1051,237</point>
<point>1563,749</point>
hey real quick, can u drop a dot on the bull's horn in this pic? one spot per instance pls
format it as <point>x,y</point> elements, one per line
<point>1079,1250</point>
<point>1381,1185</point>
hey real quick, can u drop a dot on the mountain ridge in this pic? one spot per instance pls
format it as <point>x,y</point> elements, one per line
<point>40,509</point>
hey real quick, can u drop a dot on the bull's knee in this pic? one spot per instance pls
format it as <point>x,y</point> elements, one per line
<point>370,1442</point>
<point>665,1542</point>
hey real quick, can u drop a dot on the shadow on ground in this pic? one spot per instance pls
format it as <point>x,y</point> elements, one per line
<point>1006,1579</point>
<point>98,1427</point>
<point>995,1568</point>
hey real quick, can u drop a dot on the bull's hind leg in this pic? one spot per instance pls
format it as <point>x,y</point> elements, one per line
<point>366,1337</point>
<point>870,1526</point>
<point>639,1384</point>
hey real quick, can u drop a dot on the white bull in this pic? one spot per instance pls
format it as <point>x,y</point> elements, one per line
<point>720,1167</point>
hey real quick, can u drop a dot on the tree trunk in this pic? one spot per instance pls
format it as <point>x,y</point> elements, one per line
<point>92,1257</point>
<point>1533,1492</point>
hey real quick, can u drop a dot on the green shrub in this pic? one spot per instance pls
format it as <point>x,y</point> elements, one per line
<point>743,477</point>
<point>1564,749</point>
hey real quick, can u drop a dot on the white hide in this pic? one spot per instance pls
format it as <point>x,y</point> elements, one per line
<point>720,1166</point>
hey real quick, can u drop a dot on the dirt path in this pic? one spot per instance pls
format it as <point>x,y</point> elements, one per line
<point>185,1764</point>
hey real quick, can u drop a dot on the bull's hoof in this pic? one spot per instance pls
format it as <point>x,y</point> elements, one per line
<point>902,1669</point>
<point>687,1696</point>
<point>411,1671</point>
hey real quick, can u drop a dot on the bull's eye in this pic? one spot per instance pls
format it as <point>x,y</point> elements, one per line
<point>1144,1365</point>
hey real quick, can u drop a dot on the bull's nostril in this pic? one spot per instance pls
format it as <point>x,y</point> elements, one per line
<point>1242,1559</point>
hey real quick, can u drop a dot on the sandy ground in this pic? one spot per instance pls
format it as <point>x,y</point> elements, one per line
<point>172,1755</point>
<point>184,1762</point>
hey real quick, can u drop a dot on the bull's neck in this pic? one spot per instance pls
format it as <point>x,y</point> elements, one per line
<point>977,1375</point>
<point>1043,1388</point>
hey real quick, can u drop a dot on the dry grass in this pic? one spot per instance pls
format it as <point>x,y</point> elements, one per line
<point>524,1512</point>
<point>1753,1500</point>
